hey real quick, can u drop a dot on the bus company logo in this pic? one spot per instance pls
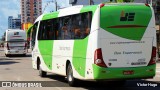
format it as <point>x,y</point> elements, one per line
<point>6,84</point>
<point>16,33</point>
<point>127,16</point>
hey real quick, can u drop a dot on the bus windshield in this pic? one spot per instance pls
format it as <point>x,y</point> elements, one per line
<point>17,40</point>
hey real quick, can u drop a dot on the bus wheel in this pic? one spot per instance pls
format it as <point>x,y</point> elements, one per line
<point>7,55</point>
<point>23,55</point>
<point>42,73</point>
<point>71,80</point>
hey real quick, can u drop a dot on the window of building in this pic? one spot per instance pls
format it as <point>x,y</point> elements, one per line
<point>28,19</point>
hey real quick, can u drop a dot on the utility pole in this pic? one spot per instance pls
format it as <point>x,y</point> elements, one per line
<point>56,5</point>
<point>89,2</point>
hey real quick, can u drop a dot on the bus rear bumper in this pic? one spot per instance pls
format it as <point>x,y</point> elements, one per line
<point>16,52</point>
<point>121,73</point>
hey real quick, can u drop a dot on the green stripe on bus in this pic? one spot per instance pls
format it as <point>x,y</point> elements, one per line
<point>117,73</point>
<point>50,15</point>
<point>80,48</point>
<point>46,49</point>
<point>79,55</point>
<point>89,8</point>
<point>133,25</point>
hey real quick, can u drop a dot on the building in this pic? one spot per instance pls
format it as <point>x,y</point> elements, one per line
<point>30,10</point>
<point>14,23</point>
<point>10,22</point>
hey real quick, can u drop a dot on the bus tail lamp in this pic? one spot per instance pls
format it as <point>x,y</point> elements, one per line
<point>147,5</point>
<point>153,57</point>
<point>102,5</point>
<point>98,58</point>
<point>8,47</point>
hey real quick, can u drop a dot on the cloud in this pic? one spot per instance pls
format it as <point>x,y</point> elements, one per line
<point>8,8</point>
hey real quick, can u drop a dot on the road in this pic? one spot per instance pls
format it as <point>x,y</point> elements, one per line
<point>20,69</point>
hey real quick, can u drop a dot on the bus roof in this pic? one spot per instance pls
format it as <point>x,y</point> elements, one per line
<point>77,9</point>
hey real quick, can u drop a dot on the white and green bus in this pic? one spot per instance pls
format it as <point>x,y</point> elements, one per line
<point>114,41</point>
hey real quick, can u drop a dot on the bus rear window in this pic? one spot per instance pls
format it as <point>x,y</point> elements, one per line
<point>16,40</point>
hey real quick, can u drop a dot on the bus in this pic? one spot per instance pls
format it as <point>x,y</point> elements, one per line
<point>15,42</point>
<point>112,41</point>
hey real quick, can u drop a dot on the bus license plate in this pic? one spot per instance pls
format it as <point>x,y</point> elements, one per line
<point>128,72</point>
<point>16,51</point>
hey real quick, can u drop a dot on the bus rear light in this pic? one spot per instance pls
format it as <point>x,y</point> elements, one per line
<point>153,56</point>
<point>147,5</point>
<point>98,58</point>
<point>102,5</point>
<point>8,46</point>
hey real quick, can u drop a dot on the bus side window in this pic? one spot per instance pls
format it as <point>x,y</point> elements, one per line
<point>34,30</point>
<point>41,33</point>
<point>86,24</point>
<point>81,24</point>
<point>76,26</point>
<point>40,36</point>
<point>59,29</point>
<point>49,30</point>
<point>64,28</point>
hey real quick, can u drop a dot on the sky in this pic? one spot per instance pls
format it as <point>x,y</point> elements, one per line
<point>12,8</point>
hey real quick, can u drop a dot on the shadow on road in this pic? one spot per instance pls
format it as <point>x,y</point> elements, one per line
<point>61,82</point>
<point>8,59</point>
<point>15,56</point>
<point>7,62</point>
<point>103,85</point>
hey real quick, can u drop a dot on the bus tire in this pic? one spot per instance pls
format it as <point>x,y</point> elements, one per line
<point>42,73</point>
<point>24,55</point>
<point>71,80</point>
<point>7,55</point>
